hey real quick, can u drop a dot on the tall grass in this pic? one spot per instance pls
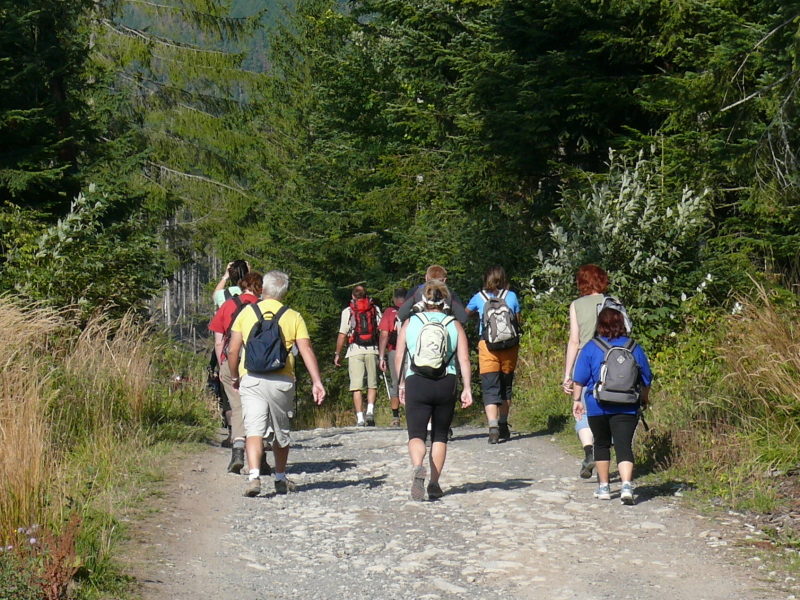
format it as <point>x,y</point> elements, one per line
<point>80,410</point>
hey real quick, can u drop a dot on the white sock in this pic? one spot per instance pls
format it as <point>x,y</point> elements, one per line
<point>370,408</point>
<point>254,474</point>
<point>430,425</point>
<point>360,416</point>
<point>279,476</point>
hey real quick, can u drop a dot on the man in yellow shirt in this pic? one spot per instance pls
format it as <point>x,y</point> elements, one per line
<point>268,398</point>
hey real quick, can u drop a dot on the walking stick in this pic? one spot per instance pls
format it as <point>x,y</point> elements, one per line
<point>386,383</point>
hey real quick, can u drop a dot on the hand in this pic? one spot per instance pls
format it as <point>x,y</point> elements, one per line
<point>337,360</point>
<point>318,392</point>
<point>235,383</point>
<point>578,409</point>
<point>566,385</point>
<point>382,364</point>
<point>401,392</point>
<point>227,268</point>
<point>466,398</point>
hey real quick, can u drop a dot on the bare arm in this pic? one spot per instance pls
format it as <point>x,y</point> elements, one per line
<point>219,343</point>
<point>577,404</point>
<point>462,352</point>
<point>572,349</point>
<point>383,341</point>
<point>223,283</point>
<point>310,360</point>
<point>398,362</point>
<point>234,348</point>
<point>339,345</point>
<point>644,396</point>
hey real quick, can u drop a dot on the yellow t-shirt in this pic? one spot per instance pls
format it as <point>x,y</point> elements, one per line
<point>292,326</point>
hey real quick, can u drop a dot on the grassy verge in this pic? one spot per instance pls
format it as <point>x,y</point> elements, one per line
<point>83,411</point>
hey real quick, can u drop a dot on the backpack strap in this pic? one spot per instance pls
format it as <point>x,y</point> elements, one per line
<point>277,316</point>
<point>259,314</point>
<point>502,295</point>
<point>422,317</point>
<point>630,345</point>
<point>604,345</point>
<point>226,293</point>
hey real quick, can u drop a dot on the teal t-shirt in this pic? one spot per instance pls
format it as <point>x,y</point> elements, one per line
<point>219,295</point>
<point>415,324</point>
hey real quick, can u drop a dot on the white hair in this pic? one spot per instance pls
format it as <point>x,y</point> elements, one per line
<point>275,285</point>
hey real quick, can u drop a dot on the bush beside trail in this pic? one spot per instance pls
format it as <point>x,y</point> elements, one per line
<point>85,413</point>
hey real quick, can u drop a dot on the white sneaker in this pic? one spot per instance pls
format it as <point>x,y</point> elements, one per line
<point>603,492</point>
<point>626,493</point>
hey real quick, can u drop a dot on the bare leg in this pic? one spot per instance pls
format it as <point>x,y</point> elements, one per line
<point>372,395</point>
<point>281,457</point>
<point>602,471</point>
<point>358,401</point>
<point>585,436</point>
<point>416,451</point>
<point>254,445</point>
<point>492,411</point>
<point>438,456</point>
<point>625,470</point>
<point>504,408</point>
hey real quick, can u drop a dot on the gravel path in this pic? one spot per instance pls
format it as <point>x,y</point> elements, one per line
<point>515,522</point>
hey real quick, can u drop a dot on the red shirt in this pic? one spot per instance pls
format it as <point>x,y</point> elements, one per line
<point>388,323</point>
<point>223,319</point>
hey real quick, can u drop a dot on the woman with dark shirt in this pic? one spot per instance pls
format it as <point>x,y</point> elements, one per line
<point>610,421</point>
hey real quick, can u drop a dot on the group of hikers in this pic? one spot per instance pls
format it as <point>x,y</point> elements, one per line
<point>421,342</point>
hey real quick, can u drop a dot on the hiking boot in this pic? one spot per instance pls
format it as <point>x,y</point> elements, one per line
<point>434,491</point>
<point>370,420</point>
<point>418,483</point>
<point>603,492</point>
<point>395,421</point>
<point>494,435</point>
<point>360,424</point>
<point>587,466</point>
<point>626,494</point>
<point>505,432</point>
<point>253,488</point>
<point>237,460</point>
<point>284,486</point>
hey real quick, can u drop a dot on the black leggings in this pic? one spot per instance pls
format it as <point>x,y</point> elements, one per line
<point>430,399</point>
<point>618,427</point>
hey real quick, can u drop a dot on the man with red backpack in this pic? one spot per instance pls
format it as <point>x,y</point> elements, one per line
<point>359,326</point>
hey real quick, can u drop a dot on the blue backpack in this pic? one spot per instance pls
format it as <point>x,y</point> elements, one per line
<point>265,350</point>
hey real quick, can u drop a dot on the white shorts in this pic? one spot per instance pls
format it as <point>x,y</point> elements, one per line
<point>268,407</point>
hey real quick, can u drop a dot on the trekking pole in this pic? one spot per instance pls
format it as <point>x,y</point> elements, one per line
<point>386,383</point>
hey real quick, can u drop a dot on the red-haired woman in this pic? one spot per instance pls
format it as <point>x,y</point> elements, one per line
<point>609,420</point>
<point>592,282</point>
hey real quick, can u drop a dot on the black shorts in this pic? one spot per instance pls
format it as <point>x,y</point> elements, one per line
<point>430,399</point>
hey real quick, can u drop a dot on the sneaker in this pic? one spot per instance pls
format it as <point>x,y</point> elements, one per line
<point>626,494</point>
<point>603,492</point>
<point>237,460</point>
<point>418,483</point>
<point>253,488</point>
<point>494,435</point>
<point>370,420</point>
<point>505,432</point>
<point>587,466</point>
<point>395,421</point>
<point>284,486</point>
<point>434,491</point>
<point>360,424</point>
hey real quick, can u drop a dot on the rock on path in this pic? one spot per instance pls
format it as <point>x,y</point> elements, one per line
<point>515,522</point>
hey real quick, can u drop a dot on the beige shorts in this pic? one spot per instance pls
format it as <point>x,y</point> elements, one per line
<point>361,367</point>
<point>268,407</point>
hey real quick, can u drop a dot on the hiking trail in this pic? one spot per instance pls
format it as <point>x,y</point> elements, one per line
<point>515,522</point>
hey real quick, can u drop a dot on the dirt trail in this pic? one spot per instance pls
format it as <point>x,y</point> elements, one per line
<point>515,522</point>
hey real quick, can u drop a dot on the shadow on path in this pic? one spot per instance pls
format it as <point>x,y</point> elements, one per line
<point>322,467</point>
<point>370,482</point>
<point>508,484</point>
